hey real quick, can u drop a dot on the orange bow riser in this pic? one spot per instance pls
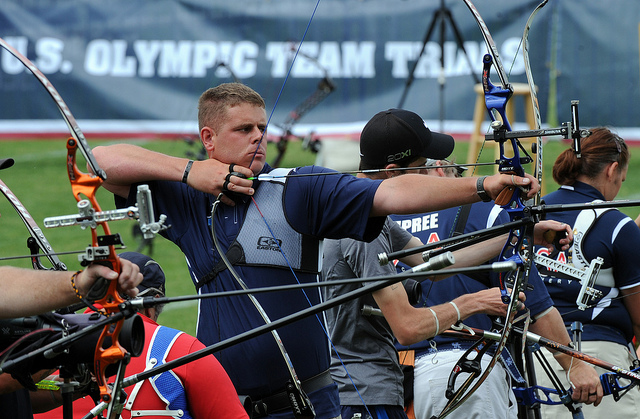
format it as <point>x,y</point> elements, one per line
<point>84,187</point>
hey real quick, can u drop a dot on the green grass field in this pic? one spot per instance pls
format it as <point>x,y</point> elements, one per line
<point>39,180</point>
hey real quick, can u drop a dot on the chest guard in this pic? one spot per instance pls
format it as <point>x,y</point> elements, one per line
<point>259,244</point>
<point>167,385</point>
<point>581,228</point>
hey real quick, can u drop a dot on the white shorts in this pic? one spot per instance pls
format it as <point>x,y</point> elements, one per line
<point>493,399</point>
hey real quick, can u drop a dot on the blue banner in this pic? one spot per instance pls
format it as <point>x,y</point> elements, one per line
<point>139,67</point>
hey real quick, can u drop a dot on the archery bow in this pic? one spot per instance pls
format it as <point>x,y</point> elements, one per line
<point>511,200</point>
<point>103,250</point>
<point>632,375</point>
<point>594,269</point>
<point>103,247</point>
<point>325,88</point>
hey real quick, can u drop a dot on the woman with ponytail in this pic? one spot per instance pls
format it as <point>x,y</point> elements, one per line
<point>612,320</point>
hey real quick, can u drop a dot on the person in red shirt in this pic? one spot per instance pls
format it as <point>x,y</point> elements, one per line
<point>198,389</point>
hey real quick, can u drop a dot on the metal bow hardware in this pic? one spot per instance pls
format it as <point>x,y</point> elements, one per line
<point>587,277</point>
<point>610,380</point>
<point>104,293</point>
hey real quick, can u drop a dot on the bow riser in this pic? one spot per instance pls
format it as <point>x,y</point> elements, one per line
<point>83,184</point>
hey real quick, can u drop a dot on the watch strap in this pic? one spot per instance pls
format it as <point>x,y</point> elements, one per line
<point>484,196</point>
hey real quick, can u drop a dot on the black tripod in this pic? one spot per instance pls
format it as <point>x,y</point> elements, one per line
<point>442,15</point>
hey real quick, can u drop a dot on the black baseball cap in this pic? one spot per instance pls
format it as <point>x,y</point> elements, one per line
<point>152,273</point>
<point>399,136</point>
<point>6,163</point>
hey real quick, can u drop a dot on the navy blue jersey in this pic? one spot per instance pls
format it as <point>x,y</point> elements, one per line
<point>330,206</point>
<point>614,237</point>
<point>440,225</point>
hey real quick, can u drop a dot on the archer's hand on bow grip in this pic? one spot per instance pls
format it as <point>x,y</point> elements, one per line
<point>97,277</point>
<point>504,186</point>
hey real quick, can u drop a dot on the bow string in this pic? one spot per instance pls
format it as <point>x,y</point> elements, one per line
<point>300,403</point>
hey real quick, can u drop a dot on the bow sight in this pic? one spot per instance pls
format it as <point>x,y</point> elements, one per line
<point>88,217</point>
<point>568,130</point>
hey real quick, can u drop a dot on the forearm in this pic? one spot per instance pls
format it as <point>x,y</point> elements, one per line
<point>412,193</point>
<point>416,258</point>
<point>27,292</point>
<point>425,323</point>
<point>126,164</point>
<point>468,256</point>
<point>45,400</point>
<point>479,253</point>
<point>551,326</point>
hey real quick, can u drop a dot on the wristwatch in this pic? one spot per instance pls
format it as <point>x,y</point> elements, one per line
<point>480,190</point>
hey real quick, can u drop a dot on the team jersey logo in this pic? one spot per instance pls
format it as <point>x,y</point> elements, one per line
<point>269,243</point>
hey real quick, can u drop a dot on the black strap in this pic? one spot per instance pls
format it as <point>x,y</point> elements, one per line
<point>461,222</point>
<point>458,229</point>
<point>235,254</point>
<point>280,401</point>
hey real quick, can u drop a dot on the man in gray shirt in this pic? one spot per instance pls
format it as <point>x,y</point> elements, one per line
<point>364,360</point>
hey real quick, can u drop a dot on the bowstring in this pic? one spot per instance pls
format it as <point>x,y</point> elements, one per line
<point>322,324</point>
<point>286,78</point>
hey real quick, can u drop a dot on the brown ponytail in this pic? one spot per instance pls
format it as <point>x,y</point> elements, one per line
<point>599,149</point>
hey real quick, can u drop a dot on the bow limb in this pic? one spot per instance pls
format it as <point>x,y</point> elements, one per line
<point>71,122</point>
<point>488,40</point>
<point>534,97</point>
<point>37,239</point>
<point>610,381</point>
<point>531,337</point>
